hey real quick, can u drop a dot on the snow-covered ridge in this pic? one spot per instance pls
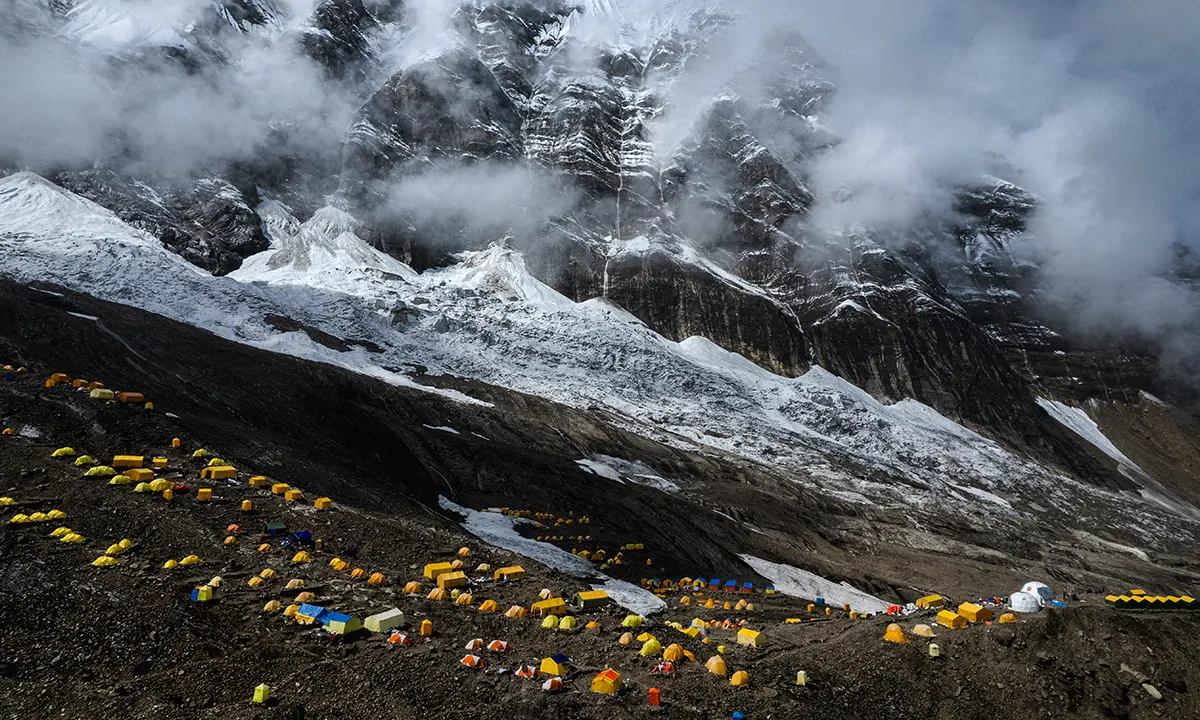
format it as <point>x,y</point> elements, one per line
<point>486,318</point>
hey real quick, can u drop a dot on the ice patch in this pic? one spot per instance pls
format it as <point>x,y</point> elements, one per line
<point>442,428</point>
<point>601,469</point>
<point>799,583</point>
<point>500,530</point>
<point>1076,420</point>
<point>93,318</point>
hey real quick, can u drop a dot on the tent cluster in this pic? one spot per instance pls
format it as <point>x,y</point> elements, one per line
<point>1140,600</point>
<point>97,391</point>
<point>36,517</point>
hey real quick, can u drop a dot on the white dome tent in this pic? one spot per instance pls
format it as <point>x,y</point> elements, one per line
<point>1024,602</point>
<point>1041,591</point>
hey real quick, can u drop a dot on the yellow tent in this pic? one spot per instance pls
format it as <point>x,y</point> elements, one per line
<point>190,560</point>
<point>120,480</point>
<point>104,561</point>
<point>100,471</point>
<point>746,636</point>
<point>488,606</point>
<point>515,611</point>
<point>1008,618</point>
<point>447,581</point>
<point>550,666</point>
<point>84,460</point>
<point>426,627</point>
<point>170,564</point>
<point>650,647</point>
<point>512,572</point>
<point>302,557</point>
<point>930,601</point>
<point>895,634</point>
<point>716,665</point>
<point>740,678</point>
<point>412,587</point>
<point>951,619</point>
<point>632,621</point>
<point>550,622</point>
<point>924,631</point>
<point>463,599</point>
<point>63,452</point>
<point>256,581</point>
<point>265,547</point>
<point>974,613</point>
<point>673,653</point>
<point>376,579</point>
<point>567,623</point>
<point>273,606</point>
<point>607,682</point>
<point>626,639</point>
<point>433,570</point>
<point>200,453</point>
<point>437,594</point>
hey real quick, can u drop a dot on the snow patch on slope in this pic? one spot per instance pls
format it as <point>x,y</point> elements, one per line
<point>1078,422</point>
<point>799,583</point>
<point>500,530</point>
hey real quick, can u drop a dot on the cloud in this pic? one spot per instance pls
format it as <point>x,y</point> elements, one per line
<point>67,104</point>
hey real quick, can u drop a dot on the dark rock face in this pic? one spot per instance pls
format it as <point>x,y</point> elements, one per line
<point>680,300</point>
<point>339,38</point>
<point>208,222</point>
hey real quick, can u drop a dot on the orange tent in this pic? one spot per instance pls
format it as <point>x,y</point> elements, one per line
<point>498,646</point>
<point>472,661</point>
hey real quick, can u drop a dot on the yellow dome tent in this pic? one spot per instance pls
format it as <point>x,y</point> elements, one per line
<point>716,665</point>
<point>170,564</point>
<point>550,622</point>
<point>567,623</point>
<point>895,634</point>
<point>273,606</point>
<point>63,452</point>
<point>924,631</point>
<point>302,557</point>
<point>412,587</point>
<point>626,639</point>
<point>100,471</point>
<point>516,611</point>
<point>488,606</point>
<point>650,647</point>
<point>632,621</point>
<point>740,679</point>
<point>673,653</point>
<point>190,560</point>
<point>120,480</point>
<point>84,460</point>
<point>104,561</point>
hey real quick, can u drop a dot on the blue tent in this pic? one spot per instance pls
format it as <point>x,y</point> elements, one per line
<point>700,582</point>
<point>747,587</point>
<point>561,659</point>
<point>315,612</point>
<point>731,585</point>
<point>714,583</point>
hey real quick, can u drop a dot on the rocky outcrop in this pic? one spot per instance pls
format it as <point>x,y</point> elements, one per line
<point>208,221</point>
